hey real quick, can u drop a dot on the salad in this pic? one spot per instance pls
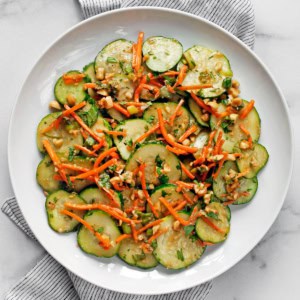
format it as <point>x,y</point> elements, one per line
<point>145,150</point>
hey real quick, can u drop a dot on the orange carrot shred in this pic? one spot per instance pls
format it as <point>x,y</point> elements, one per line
<point>246,110</point>
<point>190,131</point>
<point>122,110</point>
<point>186,171</point>
<point>194,87</point>
<point>122,237</point>
<point>157,234</point>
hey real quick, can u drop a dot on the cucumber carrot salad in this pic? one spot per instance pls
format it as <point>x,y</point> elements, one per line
<point>145,150</point>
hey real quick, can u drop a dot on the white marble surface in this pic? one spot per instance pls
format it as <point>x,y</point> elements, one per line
<point>272,269</point>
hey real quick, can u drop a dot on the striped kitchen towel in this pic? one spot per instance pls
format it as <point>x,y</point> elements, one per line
<point>48,280</point>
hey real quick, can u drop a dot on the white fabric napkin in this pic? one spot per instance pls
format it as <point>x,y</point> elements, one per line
<point>48,280</point>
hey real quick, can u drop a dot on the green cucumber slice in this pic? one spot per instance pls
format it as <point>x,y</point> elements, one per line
<point>181,123</point>
<point>208,234</point>
<point>163,53</point>
<point>134,128</point>
<point>63,132</point>
<point>89,113</point>
<point>93,195</point>
<point>89,71</point>
<point>253,159</point>
<point>115,57</point>
<point>197,112</point>
<point>176,250</point>
<point>132,254</point>
<point>44,175</point>
<point>202,63</point>
<point>168,191</point>
<point>153,154</point>
<point>62,90</point>
<point>246,185</point>
<point>55,203</point>
<point>235,135</point>
<point>100,221</point>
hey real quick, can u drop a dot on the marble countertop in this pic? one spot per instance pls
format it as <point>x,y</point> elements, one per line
<point>272,269</point>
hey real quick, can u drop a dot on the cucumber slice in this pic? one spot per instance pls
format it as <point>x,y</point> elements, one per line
<point>89,71</point>
<point>197,112</point>
<point>102,124</point>
<point>153,154</point>
<point>55,203</point>
<point>89,113</point>
<point>62,90</point>
<point>116,115</point>
<point>235,135</point>
<point>208,234</point>
<point>181,123</point>
<point>200,141</point>
<point>100,221</point>
<point>134,128</point>
<point>44,175</point>
<point>163,53</point>
<point>132,253</point>
<point>253,159</point>
<point>115,57</point>
<point>93,195</point>
<point>69,139</point>
<point>174,249</point>
<point>168,191</point>
<point>245,185</point>
<point>122,87</point>
<point>202,63</point>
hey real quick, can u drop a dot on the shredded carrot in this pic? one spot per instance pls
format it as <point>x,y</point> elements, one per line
<point>168,73</point>
<point>157,234</point>
<point>122,110</point>
<point>174,115</point>
<point>215,175</point>
<point>144,188</point>
<point>167,138</point>
<point>117,187</point>
<point>211,224</point>
<point>139,51</point>
<point>180,206</point>
<point>190,131</point>
<point>84,134</point>
<point>74,167</point>
<point>55,159</point>
<point>186,171</point>
<point>138,104</point>
<point>134,232</point>
<point>155,83</point>
<point>70,79</point>
<point>187,198</point>
<point>122,237</point>
<point>246,110</point>
<point>170,89</point>
<point>147,133</point>
<point>133,56</point>
<point>203,105</point>
<point>173,212</point>
<point>85,150</point>
<point>98,146</point>
<point>194,87</point>
<point>149,225</point>
<point>186,185</point>
<point>104,154</point>
<point>109,192</point>
<point>89,85</point>
<point>181,76</point>
<point>114,212</point>
<point>247,132</point>
<point>218,143</point>
<point>194,215</point>
<point>226,203</point>
<point>84,126</point>
<point>176,151</point>
<point>94,171</point>
<point>103,241</point>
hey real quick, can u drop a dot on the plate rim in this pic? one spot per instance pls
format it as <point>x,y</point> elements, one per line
<point>226,33</point>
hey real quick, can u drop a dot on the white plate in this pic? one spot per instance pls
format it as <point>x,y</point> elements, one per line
<point>79,46</point>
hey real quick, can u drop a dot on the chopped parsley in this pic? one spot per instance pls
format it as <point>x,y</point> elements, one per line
<point>129,143</point>
<point>151,119</point>
<point>212,215</point>
<point>188,229</point>
<point>227,83</point>
<point>104,181</point>
<point>111,60</point>
<point>180,255</point>
<point>226,125</point>
<point>163,178</point>
<point>159,162</point>
<point>164,193</point>
<point>71,153</point>
<point>89,141</point>
<point>100,229</point>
